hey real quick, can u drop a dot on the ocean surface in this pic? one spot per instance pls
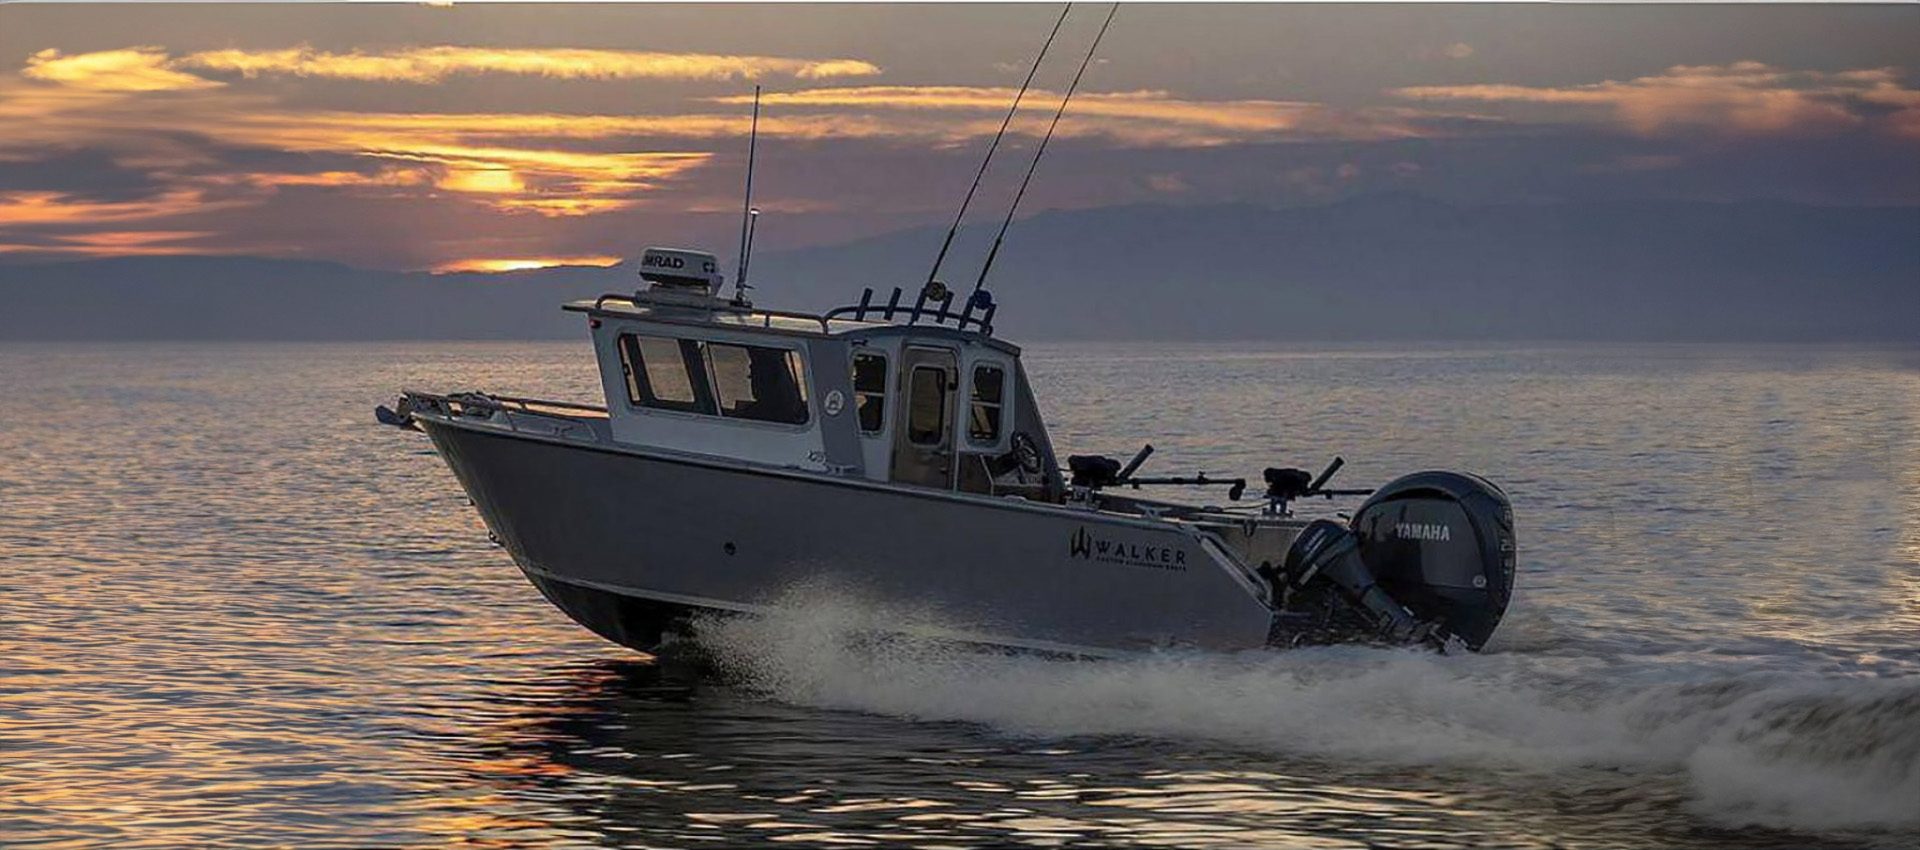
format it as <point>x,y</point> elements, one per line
<point>234,612</point>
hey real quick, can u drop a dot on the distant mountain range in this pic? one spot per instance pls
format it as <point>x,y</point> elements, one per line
<point>1381,267</point>
<point>250,298</point>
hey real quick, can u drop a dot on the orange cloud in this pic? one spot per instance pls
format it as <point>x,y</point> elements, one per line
<point>127,243</point>
<point>388,177</point>
<point>133,237</point>
<point>688,126</point>
<point>1744,97</point>
<point>39,208</point>
<point>563,207</point>
<point>488,158</point>
<point>502,170</point>
<point>133,69</point>
<point>526,163</point>
<point>1137,117</point>
<point>141,69</point>
<point>433,64</point>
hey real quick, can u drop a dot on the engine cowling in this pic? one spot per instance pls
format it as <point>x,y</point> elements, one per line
<point>1442,544</point>
<point>1429,558</point>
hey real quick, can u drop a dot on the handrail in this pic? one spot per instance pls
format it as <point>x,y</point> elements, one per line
<point>943,315</point>
<point>893,312</point>
<point>446,405</point>
<point>567,405</point>
<point>716,306</point>
<point>491,400</point>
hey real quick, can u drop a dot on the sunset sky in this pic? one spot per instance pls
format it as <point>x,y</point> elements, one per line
<point>500,136</point>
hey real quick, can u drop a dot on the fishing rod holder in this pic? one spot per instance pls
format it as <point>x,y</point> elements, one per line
<point>1286,485</point>
<point>1095,472</point>
<point>934,305</point>
<point>1236,487</point>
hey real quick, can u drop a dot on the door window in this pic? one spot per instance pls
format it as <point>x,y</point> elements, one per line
<point>986,404</point>
<point>927,406</point>
<point>870,390</point>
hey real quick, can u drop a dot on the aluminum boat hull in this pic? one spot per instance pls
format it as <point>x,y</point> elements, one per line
<point>626,540</point>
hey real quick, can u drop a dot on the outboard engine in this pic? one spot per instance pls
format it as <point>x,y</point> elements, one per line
<point>1428,559</point>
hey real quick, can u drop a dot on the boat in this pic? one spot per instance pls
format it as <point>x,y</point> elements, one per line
<point>894,449</point>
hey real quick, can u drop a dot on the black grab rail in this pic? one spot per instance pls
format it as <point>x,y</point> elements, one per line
<point>941,313</point>
<point>934,305</point>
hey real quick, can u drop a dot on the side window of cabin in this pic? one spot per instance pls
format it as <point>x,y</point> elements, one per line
<point>989,390</point>
<point>669,374</point>
<point>741,381</point>
<point>870,390</point>
<point>927,406</point>
<point>759,383</point>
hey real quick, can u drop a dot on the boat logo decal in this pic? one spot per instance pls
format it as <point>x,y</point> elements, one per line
<point>1083,544</point>
<point>833,402</point>
<point>1422,531</point>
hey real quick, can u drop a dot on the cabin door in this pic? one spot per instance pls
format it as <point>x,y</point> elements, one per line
<point>923,435</point>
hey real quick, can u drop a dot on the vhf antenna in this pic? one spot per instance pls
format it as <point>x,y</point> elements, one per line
<point>747,212</point>
<point>995,251</point>
<point>942,256</point>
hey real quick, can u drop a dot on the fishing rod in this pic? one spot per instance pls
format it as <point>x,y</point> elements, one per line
<point>747,212</point>
<point>948,243</point>
<point>1041,151</point>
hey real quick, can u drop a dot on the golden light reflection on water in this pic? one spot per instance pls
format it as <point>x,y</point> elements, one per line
<point>229,621</point>
<point>1903,461</point>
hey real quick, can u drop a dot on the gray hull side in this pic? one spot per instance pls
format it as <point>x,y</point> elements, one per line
<point>708,535</point>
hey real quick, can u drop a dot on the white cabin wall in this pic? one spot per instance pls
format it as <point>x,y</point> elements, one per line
<point>831,382</point>
<point>876,450</point>
<point>798,446</point>
<point>605,349</point>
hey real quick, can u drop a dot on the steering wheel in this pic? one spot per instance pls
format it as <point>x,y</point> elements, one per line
<point>1026,453</point>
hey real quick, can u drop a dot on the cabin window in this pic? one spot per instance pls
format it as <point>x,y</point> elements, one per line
<point>870,390</point>
<point>927,406</point>
<point>754,382</point>
<point>989,388</point>
<point>668,374</point>
<point>759,383</point>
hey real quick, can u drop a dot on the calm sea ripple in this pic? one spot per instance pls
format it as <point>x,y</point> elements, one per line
<point>237,613</point>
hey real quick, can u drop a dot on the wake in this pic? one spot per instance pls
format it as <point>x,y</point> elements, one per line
<point>1756,748</point>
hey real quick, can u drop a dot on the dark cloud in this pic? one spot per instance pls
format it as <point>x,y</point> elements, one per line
<point>89,175</point>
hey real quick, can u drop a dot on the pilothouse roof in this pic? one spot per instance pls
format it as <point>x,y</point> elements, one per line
<point>865,321</point>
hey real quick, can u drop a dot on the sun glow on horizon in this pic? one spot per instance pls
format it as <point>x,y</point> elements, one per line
<point>521,264</point>
<point>485,180</point>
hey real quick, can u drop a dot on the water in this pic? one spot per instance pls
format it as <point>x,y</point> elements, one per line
<point>237,613</point>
